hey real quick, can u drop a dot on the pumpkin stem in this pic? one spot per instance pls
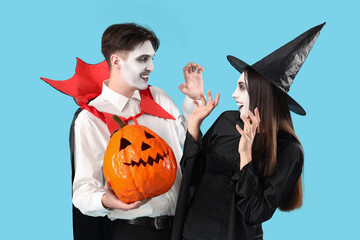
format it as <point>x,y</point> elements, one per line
<point>118,121</point>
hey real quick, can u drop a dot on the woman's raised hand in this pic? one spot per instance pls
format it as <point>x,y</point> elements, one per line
<point>251,124</point>
<point>200,113</point>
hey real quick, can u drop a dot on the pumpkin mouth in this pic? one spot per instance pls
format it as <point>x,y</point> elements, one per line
<point>149,161</point>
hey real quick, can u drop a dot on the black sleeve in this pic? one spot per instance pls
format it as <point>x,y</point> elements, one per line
<point>193,160</point>
<point>190,172</point>
<point>258,203</point>
<point>194,155</point>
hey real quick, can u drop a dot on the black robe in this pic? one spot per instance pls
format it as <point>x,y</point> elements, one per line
<point>219,201</point>
<point>87,227</point>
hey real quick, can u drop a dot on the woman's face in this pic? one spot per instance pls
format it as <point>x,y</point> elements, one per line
<point>241,95</point>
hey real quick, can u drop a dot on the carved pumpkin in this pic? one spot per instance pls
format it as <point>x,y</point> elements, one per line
<point>138,164</point>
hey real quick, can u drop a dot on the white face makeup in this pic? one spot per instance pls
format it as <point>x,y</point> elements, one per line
<point>241,96</point>
<point>137,67</point>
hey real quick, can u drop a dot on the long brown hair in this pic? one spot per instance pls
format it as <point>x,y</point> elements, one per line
<point>275,115</point>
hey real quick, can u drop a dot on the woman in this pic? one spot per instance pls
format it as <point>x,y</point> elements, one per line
<point>249,163</point>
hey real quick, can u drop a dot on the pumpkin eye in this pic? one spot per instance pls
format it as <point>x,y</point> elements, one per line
<point>124,143</point>
<point>148,135</point>
<point>144,146</point>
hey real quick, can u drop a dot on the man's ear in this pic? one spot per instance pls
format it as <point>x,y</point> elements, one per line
<point>116,61</point>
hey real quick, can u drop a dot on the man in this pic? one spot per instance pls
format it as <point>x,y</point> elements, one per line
<point>128,50</point>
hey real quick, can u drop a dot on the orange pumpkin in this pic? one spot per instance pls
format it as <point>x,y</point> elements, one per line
<point>138,164</point>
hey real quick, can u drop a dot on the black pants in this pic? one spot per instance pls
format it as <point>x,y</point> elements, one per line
<point>125,231</point>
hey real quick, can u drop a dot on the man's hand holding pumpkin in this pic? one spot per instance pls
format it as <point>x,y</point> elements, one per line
<point>110,201</point>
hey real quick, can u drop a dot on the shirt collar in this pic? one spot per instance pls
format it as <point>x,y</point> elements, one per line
<point>118,100</point>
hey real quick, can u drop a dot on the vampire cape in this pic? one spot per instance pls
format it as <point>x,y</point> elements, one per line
<point>217,200</point>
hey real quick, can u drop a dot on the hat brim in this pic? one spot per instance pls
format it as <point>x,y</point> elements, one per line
<point>237,63</point>
<point>241,65</point>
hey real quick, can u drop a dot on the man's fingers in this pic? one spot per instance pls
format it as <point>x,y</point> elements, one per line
<point>196,66</point>
<point>187,66</point>
<point>182,86</point>
<point>192,64</point>
<point>186,70</point>
<point>128,206</point>
<point>189,70</point>
<point>137,204</point>
<point>192,67</point>
<point>107,185</point>
<point>200,69</point>
<point>145,201</point>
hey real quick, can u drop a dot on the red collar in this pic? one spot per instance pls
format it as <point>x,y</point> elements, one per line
<point>86,84</point>
<point>147,105</point>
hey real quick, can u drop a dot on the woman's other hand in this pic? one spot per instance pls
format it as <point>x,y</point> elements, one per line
<point>251,124</point>
<point>200,113</point>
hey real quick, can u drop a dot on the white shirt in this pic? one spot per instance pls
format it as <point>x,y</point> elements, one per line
<point>92,137</point>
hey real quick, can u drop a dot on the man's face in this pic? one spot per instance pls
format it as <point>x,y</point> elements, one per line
<point>137,67</point>
<point>241,96</point>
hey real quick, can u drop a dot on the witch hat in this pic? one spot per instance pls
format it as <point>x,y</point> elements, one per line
<point>281,66</point>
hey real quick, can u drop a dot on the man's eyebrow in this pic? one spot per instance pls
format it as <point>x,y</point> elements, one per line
<point>146,55</point>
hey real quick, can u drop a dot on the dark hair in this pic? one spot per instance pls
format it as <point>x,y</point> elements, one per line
<point>124,37</point>
<point>275,115</point>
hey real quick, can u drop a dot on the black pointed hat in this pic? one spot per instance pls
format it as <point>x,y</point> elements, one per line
<point>281,66</point>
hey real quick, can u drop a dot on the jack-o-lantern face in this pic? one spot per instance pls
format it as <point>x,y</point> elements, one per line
<point>138,164</point>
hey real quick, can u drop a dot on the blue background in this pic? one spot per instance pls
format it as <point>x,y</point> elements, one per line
<point>43,39</point>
